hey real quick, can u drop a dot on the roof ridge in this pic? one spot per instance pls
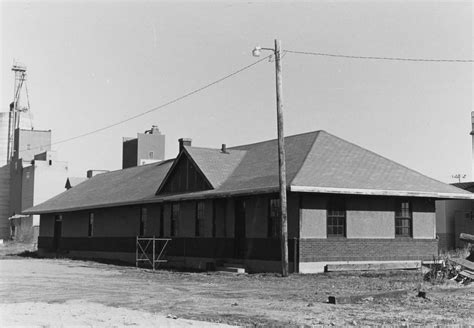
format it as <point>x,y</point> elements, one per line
<point>269,140</point>
<point>134,167</point>
<point>206,148</point>
<point>306,156</point>
<point>388,159</point>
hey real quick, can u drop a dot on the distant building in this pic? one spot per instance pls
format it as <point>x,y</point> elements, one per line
<point>4,178</point>
<point>35,176</point>
<point>4,120</point>
<point>29,171</point>
<point>146,148</point>
<point>454,217</point>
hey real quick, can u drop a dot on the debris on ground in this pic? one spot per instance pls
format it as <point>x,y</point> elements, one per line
<point>171,316</point>
<point>453,268</point>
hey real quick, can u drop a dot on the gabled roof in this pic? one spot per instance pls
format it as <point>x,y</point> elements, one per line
<point>174,171</point>
<point>216,165</point>
<point>315,162</point>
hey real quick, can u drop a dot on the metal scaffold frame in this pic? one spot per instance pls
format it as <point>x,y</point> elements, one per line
<point>143,253</point>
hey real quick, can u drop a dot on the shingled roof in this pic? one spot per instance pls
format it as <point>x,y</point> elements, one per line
<point>128,186</point>
<point>336,165</point>
<point>469,186</point>
<point>315,162</point>
<point>216,165</point>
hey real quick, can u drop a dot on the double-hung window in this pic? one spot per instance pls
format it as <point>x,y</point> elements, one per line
<point>174,219</point>
<point>90,231</point>
<point>143,219</point>
<point>274,218</point>
<point>336,219</point>
<point>403,219</point>
<point>200,210</point>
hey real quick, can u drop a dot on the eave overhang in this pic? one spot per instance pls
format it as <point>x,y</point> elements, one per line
<point>198,195</point>
<point>379,192</point>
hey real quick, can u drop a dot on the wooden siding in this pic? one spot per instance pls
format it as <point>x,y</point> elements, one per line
<point>185,177</point>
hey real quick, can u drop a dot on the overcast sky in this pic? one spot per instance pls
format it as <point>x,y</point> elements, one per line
<point>91,64</point>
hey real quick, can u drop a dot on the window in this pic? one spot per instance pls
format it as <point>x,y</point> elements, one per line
<point>174,219</point>
<point>274,218</point>
<point>336,219</point>
<point>162,221</point>
<point>200,208</point>
<point>90,232</point>
<point>143,218</point>
<point>403,220</point>
<point>214,218</point>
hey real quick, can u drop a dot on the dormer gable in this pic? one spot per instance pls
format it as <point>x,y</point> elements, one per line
<point>184,176</point>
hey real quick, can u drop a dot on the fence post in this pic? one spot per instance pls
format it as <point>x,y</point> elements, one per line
<point>153,253</point>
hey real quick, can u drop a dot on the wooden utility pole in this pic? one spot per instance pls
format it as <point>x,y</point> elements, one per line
<point>281,163</point>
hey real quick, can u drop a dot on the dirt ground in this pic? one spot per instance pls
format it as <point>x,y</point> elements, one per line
<point>81,287</point>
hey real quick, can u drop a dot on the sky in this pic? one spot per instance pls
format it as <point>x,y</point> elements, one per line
<point>93,63</point>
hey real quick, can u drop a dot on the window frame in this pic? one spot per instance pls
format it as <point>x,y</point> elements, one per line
<point>274,218</point>
<point>162,221</point>
<point>200,218</point>
<point>336,218</point>
<point>90,229</point>
<point>143,219</point>
<point>174,217</point>
<point>403,215</point>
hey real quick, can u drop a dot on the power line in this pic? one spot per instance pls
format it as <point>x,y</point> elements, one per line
<point>160,106</point>
<point>381,58</point>
<point>251,65</point>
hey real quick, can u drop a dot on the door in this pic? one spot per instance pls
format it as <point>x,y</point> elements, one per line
<point>239,229</point>
<point>57,232</point>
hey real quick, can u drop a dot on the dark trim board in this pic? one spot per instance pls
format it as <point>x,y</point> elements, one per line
<point>217,248</point>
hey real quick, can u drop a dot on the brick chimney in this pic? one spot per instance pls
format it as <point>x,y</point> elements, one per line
<point>184,142</point>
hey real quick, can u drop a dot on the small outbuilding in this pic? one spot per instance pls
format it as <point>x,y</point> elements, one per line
<point>346,204</point>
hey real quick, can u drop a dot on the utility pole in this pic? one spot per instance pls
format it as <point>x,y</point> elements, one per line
<point>281,162</point>
<point>281,156</point>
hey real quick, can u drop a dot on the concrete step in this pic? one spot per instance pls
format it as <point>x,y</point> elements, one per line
<point>232,269</point>
<point>399,265</point>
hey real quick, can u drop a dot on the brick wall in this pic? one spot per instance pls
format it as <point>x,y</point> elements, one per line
<point>316,250</point>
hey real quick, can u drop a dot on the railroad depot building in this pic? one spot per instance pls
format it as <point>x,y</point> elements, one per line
<point>345,205</point>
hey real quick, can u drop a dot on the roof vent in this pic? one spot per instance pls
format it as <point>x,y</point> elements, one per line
<point>224,149</point>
